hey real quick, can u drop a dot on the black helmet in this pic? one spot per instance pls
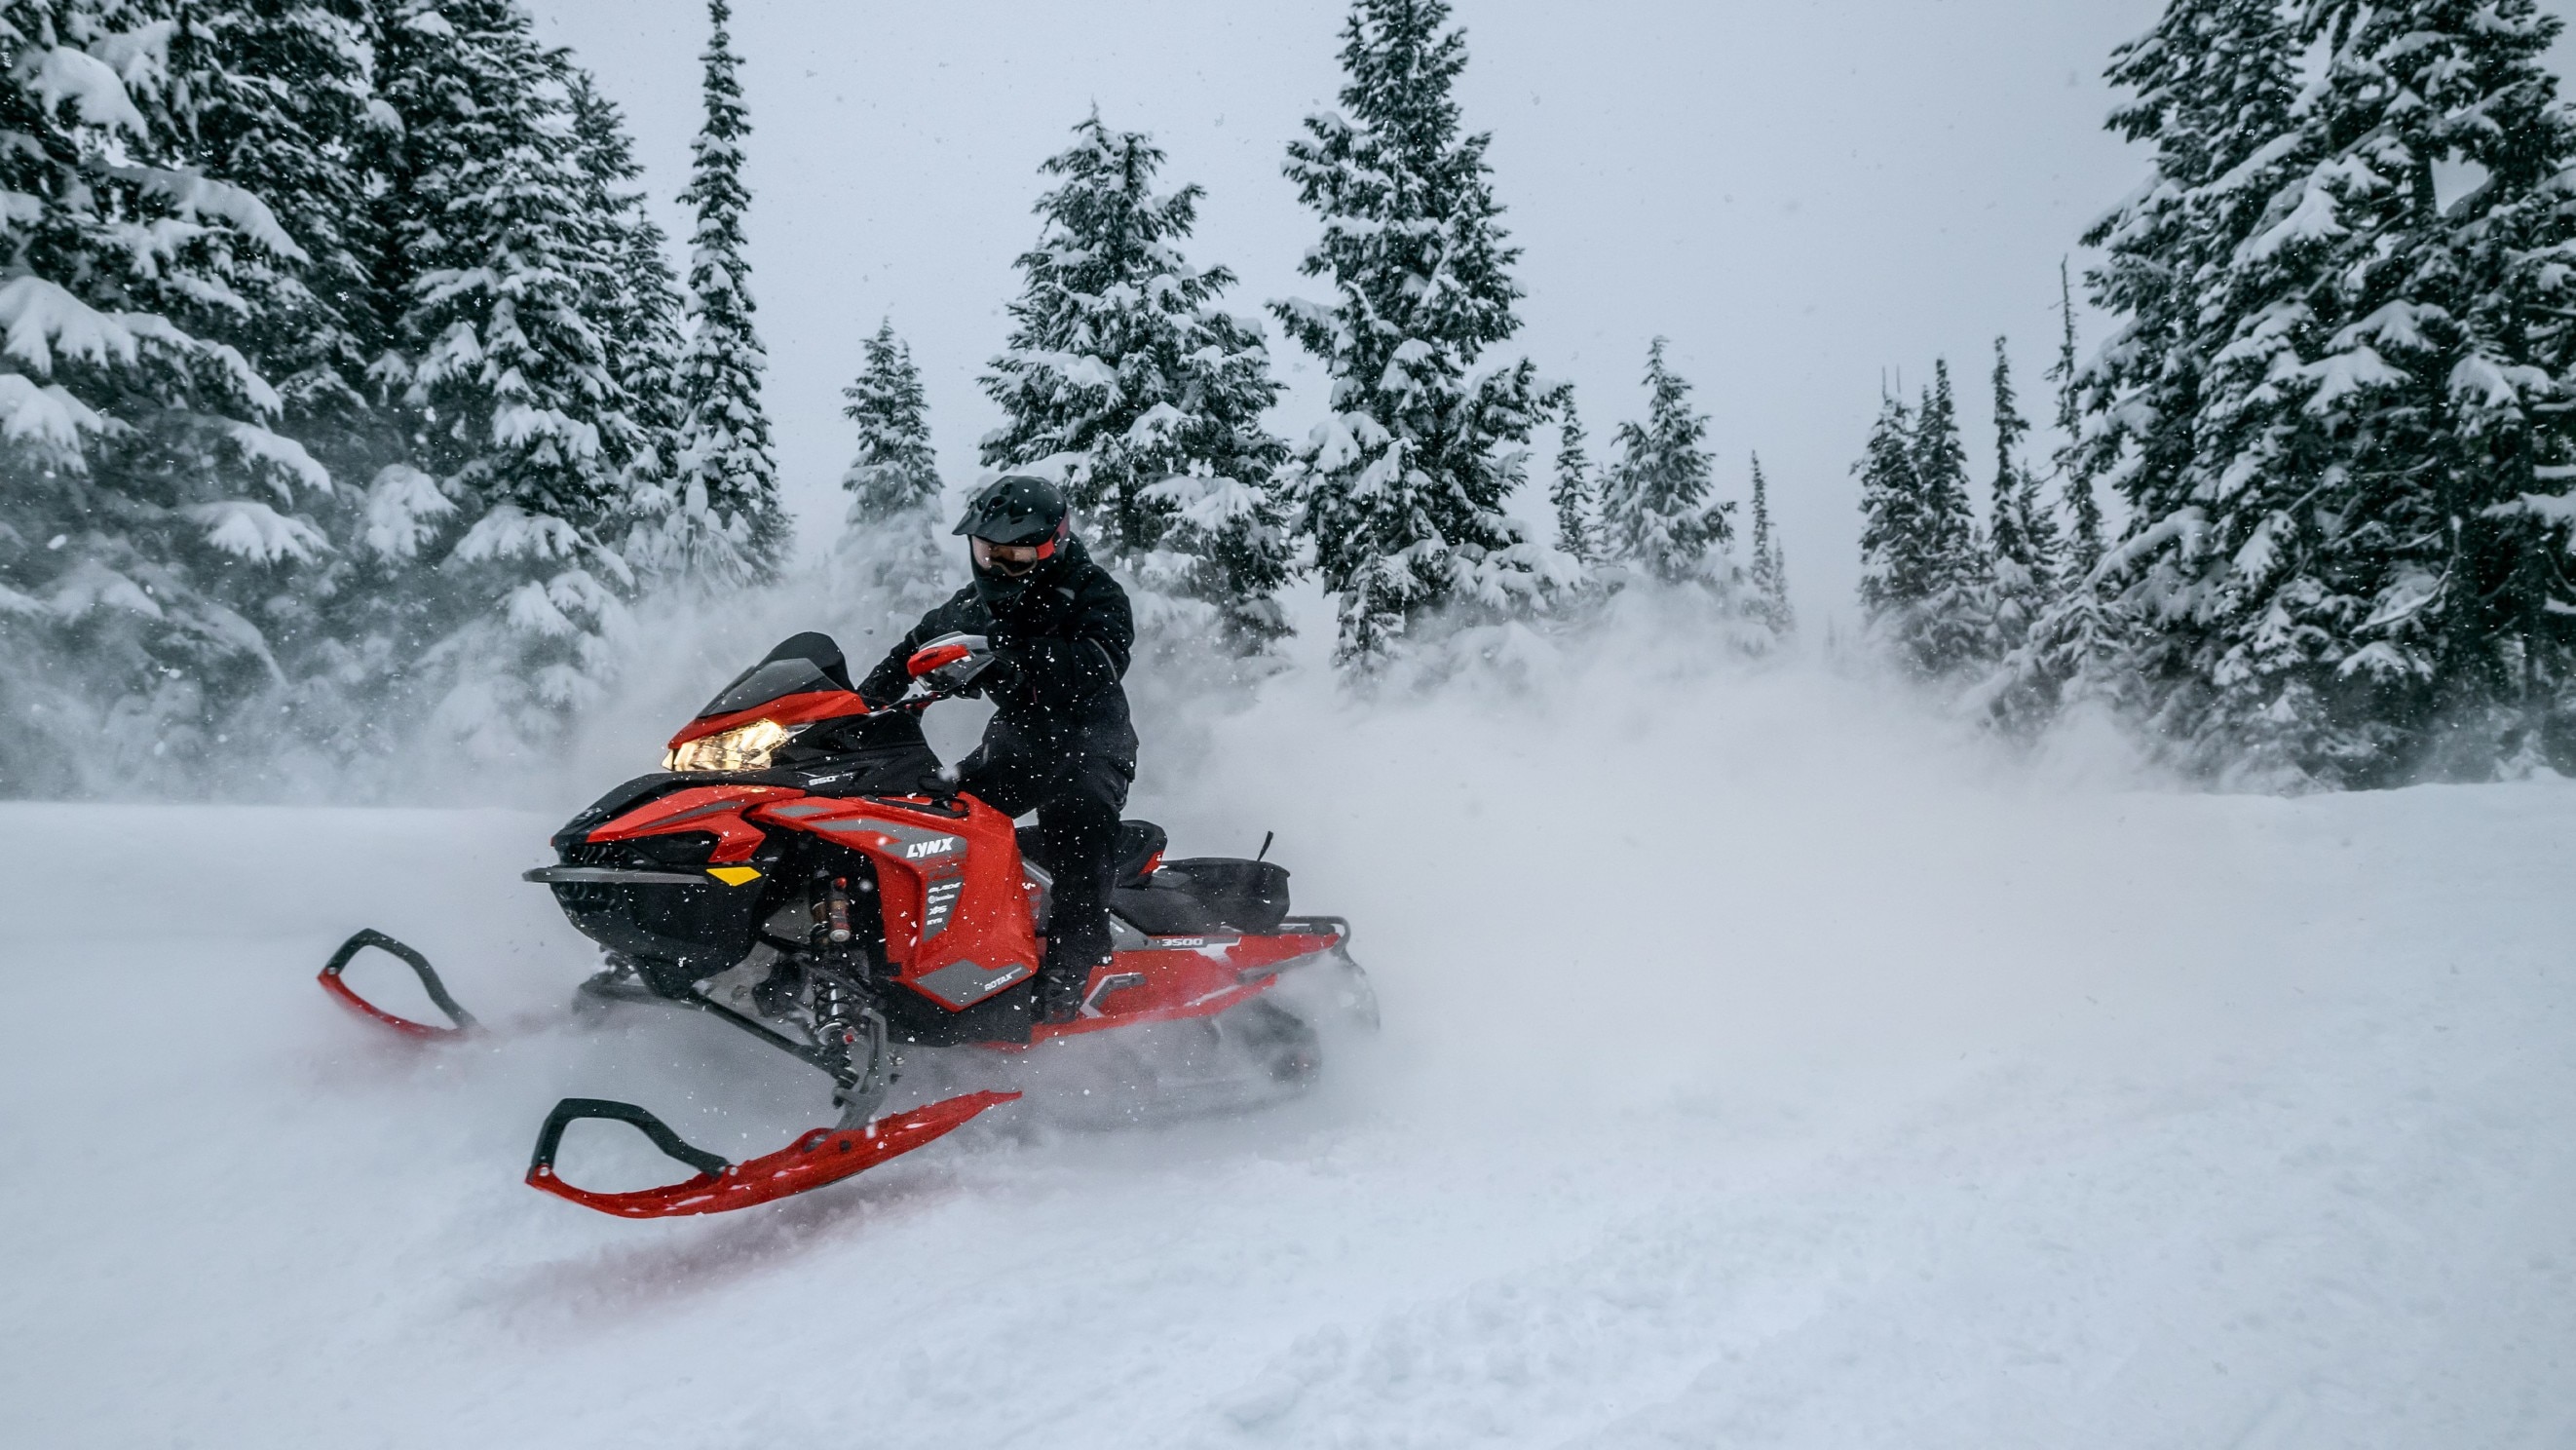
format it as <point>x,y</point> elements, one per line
<point>1017,509</point>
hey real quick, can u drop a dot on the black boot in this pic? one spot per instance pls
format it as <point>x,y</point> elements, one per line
<point>1064,980</point>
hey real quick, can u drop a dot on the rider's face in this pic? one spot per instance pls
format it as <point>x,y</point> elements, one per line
<point>1009,560</point>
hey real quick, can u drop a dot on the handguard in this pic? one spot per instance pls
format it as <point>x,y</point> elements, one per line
<point>820,1157</point>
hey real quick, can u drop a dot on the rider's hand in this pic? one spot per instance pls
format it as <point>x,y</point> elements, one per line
<point>1001,678</point>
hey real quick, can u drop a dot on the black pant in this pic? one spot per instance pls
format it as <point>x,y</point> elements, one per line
<point>1078,794</point>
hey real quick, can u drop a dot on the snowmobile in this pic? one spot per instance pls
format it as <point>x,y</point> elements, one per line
<point>804,869</point>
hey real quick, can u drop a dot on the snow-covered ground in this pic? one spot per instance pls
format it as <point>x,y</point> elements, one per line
<point>1753,1074</point>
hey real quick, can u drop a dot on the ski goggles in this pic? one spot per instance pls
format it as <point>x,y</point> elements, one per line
<point>1010,560</point>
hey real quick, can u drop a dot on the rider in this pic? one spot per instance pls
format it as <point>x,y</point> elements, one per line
<point>1061,743</point>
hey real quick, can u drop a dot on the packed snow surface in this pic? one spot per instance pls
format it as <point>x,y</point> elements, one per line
<point>1752,1075</point>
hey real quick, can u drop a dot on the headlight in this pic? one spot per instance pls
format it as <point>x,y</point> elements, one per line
<point>745,747</point>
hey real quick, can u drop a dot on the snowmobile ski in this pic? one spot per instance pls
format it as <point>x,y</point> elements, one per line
<point>348,997</point>
<point>820,1157</point>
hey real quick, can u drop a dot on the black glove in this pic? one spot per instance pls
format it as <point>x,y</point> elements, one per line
<point>1002,679</point>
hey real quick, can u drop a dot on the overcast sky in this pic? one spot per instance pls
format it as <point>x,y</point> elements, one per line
<point>1805,196</point>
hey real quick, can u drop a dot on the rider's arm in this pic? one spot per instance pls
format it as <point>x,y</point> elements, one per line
<point>1057,671</point>
<point>886,683</point>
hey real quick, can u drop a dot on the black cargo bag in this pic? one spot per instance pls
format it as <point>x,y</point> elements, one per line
<point>1246,895</point>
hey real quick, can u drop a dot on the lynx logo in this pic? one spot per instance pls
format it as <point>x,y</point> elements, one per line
<point>940,847</point>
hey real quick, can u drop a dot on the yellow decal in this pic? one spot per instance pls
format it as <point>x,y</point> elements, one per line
<point>734,875</point>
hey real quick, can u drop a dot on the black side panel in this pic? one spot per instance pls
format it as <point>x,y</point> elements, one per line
<point>1002,1017</point>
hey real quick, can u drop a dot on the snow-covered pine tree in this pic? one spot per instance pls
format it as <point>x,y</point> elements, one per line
<point>511,404</point>
<point>148,510</point>
<point>2212,88</point>
<point>1576,491</point>
<point>1767,602</point>
<point>2426,227</point>
<point>2083,535</point>
<point>892,549</point>
<point>2021,537</point>
<point>274,99</point>
<point>1656,515</point>
<point>637,308</point>
<point>1124,379</point>
<point>723,525</point>
<point>2076,653</point>
<point>1890,504</point>
<point>1402,488</point>
<point>1924,585</point>
<point>2357,572</point>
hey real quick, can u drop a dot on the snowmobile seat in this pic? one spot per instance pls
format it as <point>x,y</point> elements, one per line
<point>1206,894</point>
<point>1140,846</point>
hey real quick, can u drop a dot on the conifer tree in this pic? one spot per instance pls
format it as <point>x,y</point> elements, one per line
<point>1924,583</point>
<point>1656,515</point>
<point>1576,491</point>
<point>2022,538</point>
<point>891,544</point>
<point>2348,574</point>
<point>2084,542</point>
<point>2077,652</point>
<point>1125,379</point>
<point>500,375</point>
<point>1768,602</point>
<point>637,307</point>
<point>723,525</point>
<point>1892,571</point>
<point>148,507</point>
<point>1402,487</point>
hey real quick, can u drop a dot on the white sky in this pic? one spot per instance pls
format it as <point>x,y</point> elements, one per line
<point>1804,196</point>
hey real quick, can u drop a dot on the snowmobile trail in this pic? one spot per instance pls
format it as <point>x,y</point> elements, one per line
<point>2000,1119</point>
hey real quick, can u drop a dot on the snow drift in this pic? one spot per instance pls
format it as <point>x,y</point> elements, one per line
<point>1762,1066</point>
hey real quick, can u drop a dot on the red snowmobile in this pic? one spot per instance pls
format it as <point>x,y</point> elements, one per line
<point>803,869</point>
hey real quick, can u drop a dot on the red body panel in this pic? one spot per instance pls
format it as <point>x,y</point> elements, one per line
<point>950,887</point>
<point>715,809</point>
<point>957,906</point>
<point>1185,977</point>
<point>785,710</point>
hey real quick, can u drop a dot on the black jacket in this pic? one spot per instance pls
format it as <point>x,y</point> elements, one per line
<point>1064,639</point>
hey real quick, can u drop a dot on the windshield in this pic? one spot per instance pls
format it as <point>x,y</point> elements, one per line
<point>767,681</point>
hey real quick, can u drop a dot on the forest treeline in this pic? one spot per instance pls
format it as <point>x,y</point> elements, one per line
<point>351,404</point>
<point>2332,416</point>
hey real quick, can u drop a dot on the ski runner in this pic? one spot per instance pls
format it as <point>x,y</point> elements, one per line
<point>1061,743</point>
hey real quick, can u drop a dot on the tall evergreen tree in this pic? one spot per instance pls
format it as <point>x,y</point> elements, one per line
<point>1656,515</point>
<point>1576,492</point>
<point>2084,541</point>
<point>1402,488</point>
<point>1924,583</point>
<point>637,307</point>
<point>149,510</point>
<point>501,375</point>
<point>2022,536</point>
<point>723,526</point>
<point>892,543</point>
<point>1125,379</point>
<point>2349,573</point>
<point>1768,603</point>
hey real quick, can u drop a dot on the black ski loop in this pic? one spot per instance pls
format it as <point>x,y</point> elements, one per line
<point>429,982</point>
<point>573,1110</point>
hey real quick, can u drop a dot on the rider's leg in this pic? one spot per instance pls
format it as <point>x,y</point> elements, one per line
<point>1079,821</point>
